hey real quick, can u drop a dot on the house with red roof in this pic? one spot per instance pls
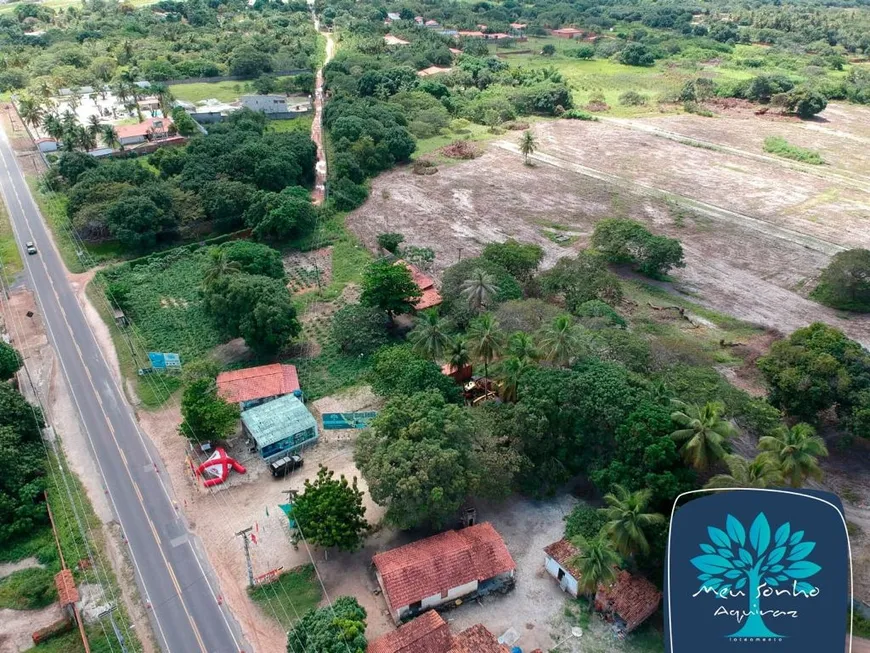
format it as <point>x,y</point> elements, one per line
<point>429,633</point>
<point>568,33</point>
<point>440,569</point>
<point>628,602</point>
<point>256,385</point>
<point>148,129</point>
<point>558,564</point>
<point>430,297</point>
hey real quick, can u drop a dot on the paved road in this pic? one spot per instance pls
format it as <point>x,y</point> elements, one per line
<point>170,568</point>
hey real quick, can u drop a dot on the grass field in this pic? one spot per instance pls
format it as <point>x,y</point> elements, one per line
<point>222,91</point>
<point>10,257</point>
<point>295,593</point>
<point>297,124</point>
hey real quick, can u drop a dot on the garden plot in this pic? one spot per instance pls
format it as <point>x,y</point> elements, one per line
<point>305,270</point>
<point>755,234</point>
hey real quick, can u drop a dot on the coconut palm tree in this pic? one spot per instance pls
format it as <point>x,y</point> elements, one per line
<point>485,340</point>
<point>457,354</point>
<point>218,266</point>
<point>479,289</point>
<point>69,120</point>
<point>702,440</point>
<point>760,472</point>
<point>74,101</point>
<point>596,562</point>
<point>429,337</point>
<point>110,137</point>
<point>94,126</point>
<point>44,89</point>
<point>31,111</point>
<point>796,450</point>
<point>521,345</point>
<point>164,97</point>
<point>53,127</point>
<point>85,138</point>
<point>561,341</point>
<point>627,518</point>
<point>528,145</point>
<point>508,377</point>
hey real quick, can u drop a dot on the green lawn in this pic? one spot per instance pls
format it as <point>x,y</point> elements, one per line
<point>222,91</point>
<point>10,257</point>
<point>291,596</point>
<point>297,124</point>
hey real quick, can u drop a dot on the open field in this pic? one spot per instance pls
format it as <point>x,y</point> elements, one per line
<point>756,233</point>
<point>224,91</point>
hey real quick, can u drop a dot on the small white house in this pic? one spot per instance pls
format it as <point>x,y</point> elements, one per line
<point>265,103</point>
<point>443,568</point>
<point>558,565</point>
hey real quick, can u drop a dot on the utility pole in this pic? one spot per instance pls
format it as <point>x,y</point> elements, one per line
<point>244,534</point>
<point>118,634</point>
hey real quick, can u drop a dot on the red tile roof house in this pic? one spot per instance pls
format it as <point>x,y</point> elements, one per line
<point>431,297</point>
<point>138,133</point>
<point>568,33</point>
<point>257,385</point>
<point>429,633</point>
<point>629,601</point>
<point>558,565</point>
<point>443,568</point>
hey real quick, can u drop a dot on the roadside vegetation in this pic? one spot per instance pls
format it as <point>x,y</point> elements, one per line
<point>295,592</point>
<point>781,147</point>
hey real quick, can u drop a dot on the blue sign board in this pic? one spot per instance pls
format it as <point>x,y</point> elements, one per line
<point>158,360</point>
<point>333,421</point>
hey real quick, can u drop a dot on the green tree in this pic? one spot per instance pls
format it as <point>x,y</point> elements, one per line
<point>330,512</point>
<point>562,341</point>
<point>359,330</point>
<point>110,136</point>
<point>137,221</point>
<point>391,242</point>
<point>399,371</point>
<point>636,54</point>
<point>31,111</point>
<point>510,372</point>
<point>548,50</point>
<point>479,290</point>
<point>581,279</point>
<point>485,340</point>
<point>416,459</point>
<point>218,265</point>
<point>520,259</point>
<point>522,346</point>
<point>429,337</point>
<point>845,283</point>
<point>205,415</point>
<point>10,361</point>
<point>704,436</point>
<point>796,451</point>
<point>389,287</point>
<point>528,145</point>
<point>457,353</point>
<point>255,258</point>
<point>248,61</point>
<point>760,472</point>
<point>597,563</point>
<point>805,102</point>
<point>627,519</point>
<point>584,521</point>
<point>628,241</point>
<point>336,628</point>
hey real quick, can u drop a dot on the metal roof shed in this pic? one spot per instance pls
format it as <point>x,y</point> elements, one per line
<point>279,427</point>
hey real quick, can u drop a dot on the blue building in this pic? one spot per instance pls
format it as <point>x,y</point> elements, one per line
<point>279,427</point>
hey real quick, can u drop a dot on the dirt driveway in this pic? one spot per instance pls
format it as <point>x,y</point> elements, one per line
<point>755,236</point>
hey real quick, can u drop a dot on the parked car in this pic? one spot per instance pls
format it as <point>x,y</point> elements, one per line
<point>285,465</point>
<point>31,248</point>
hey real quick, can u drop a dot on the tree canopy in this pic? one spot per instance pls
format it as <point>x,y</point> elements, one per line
<point>336,628</point>
<point>330,512</point>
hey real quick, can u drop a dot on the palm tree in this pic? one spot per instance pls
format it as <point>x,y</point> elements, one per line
<point>796,451</point>
<point>218,266</point>
<point>627,519</point>
<point>561,341</point>
<point>485,340</point>
<point>44,89</point>
<point>429,337</point>
<point>164,96</point>
<point>110,137</point>
<point>69,120</point>
<point>521,345</point>
<point>53,127</point>
<point>508,377</point>
<point>760,472</point>
<point>528,145</point>
<point>479,289</point>
<point>73,100</point>
<point>704,434</point>
<point>457,354</point>
<point>31,111</point>
<point>596,562</point>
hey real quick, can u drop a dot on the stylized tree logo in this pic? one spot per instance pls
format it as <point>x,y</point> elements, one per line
<point>731,570</point>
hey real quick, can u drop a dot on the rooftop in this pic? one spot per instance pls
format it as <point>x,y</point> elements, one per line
<point>477,639</point>
<point>272,422</point>
<point>562,552</point>
<point>433,70</point>
<point>567,30</point>
<point>441,562</point>
<point>257,382</point>
<point>428,633</point>
<point>389,39</point>
<point>633,598</point>
<point>144,127</point>
<point>430,297</point>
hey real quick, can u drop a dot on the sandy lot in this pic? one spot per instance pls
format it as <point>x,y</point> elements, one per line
<point>755,234</point>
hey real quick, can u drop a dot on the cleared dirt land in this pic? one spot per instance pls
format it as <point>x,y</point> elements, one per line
<point>756,233</point>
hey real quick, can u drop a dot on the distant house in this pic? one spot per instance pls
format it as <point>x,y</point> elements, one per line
<point>432,23</point>
<point>280,427</point>
<point>265,103</point>
<point>148,129</point>
<point>629,601</point>
<point>458,374</point>
<point>518,26</point>
<point>558,565</point>
<point>432,70</point>
<point>46,144</point>
<point>257,385</point>
<point>430,297</point>
<point>471,34</point>
<point>429,633</point>
<point>443,568</point>
<point>389,39</point>
<point>498,36</point>
<point>393,16</point>
<point>568,33</point>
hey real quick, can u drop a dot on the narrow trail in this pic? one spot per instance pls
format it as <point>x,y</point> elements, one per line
<point>319,192</point>
<point>851,180</point>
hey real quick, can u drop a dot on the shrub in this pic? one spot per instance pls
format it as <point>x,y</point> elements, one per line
<point>390,242</point>
<point>596,313</point>
<point>582,52</point>
<point>28,589</point>
<point>633,99</point>
<point>636,54</point>
<point>255,258</point>
<point>359,330</point>
<point>697,109</point>
<point>578,114</point>
<point>781,147</point>
<point>805,102</point>
<point>346,195</point>
<point>845,283</point>
<point>584,521</point>
<point>627,241</point>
